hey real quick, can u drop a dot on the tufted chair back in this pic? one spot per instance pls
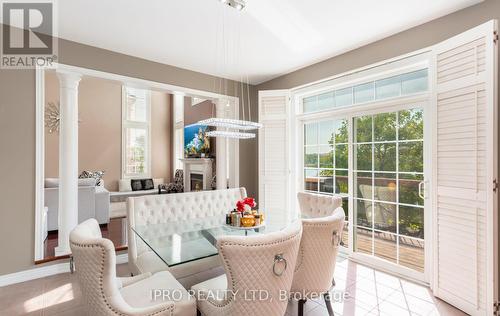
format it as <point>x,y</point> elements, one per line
<point>253,263</point>
<point>164,208</point>
<point>319,245</point>
<point>318,205</point>
<point>96,269</point>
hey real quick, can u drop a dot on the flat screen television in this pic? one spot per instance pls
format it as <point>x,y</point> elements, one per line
<point>196,142</point>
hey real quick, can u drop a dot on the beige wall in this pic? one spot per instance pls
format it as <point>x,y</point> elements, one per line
<point>99,133</point>
<point>161,136</point>
<point>201,111</point>
<point>17,138</point>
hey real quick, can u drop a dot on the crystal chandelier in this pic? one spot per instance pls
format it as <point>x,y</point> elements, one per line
<point>230,123</point>
<point>230,134</point>
<point>233,128</point>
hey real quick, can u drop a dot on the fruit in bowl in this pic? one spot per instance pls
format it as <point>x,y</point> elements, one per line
<point>248,221</point>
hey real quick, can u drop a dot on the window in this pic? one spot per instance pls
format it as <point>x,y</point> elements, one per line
<point>136,121</point>
<point>385,88</point>
<point>326,160</point>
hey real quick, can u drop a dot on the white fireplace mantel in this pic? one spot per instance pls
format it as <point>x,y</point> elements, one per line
<point>201,166</point>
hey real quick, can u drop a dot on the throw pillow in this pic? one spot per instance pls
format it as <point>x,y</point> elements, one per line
<point>97,175</point>
<point>124,185</point>
<point>136,184</point>
<point>147,184</point>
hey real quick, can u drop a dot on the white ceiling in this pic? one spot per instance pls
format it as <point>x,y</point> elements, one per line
<point>277,36</point>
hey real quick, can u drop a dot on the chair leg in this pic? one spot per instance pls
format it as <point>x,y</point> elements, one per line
<point>300,311</point>
<point>198,313</point>
<point>328,303</point>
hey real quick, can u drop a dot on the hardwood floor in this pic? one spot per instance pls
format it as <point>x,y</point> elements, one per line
<point>115,230</point>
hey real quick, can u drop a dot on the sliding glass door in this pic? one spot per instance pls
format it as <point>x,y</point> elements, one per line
<point>375,161</point>
<point>388,177</point>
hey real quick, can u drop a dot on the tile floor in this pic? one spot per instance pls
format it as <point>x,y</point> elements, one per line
<point>370,293</point>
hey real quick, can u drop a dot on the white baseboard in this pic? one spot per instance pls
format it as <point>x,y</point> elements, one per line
<point>45,271</point>
<point>32,274</point>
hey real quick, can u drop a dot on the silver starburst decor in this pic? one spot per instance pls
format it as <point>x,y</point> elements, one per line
<point>52,117</point>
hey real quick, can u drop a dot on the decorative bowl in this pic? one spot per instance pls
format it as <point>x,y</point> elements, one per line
<point>247,221</point>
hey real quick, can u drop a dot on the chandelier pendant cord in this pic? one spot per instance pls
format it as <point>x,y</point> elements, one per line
<point>230,41</point>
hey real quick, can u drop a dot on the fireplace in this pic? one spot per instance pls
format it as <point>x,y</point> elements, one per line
<point>197,174</point>
<point>196,182</point>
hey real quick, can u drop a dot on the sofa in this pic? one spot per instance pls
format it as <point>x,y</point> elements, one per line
<point>164,208</point>
<point>125,190</point>
<point>93,202</point>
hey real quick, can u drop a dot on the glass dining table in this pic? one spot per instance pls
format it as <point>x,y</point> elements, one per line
<point>178,242</point>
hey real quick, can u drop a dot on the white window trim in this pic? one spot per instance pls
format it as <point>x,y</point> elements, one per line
<point>339,85</point>
<point>131,124</point>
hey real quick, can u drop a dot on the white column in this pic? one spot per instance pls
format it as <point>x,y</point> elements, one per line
<point>178,108</point>
<point>220,148</point>
<point>68,159</point>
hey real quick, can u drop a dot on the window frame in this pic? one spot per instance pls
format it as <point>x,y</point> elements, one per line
<point>129,124</point>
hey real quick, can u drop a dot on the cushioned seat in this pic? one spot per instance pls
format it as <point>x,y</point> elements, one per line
<point>217,285</point>
<point>134,294</point>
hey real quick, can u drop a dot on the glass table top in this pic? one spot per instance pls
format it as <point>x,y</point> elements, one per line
<point>178,242</point>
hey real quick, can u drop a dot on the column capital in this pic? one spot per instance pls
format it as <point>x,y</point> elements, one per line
<point>68,79</point>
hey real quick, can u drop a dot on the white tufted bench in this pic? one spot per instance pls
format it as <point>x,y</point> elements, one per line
<point>164,208</point>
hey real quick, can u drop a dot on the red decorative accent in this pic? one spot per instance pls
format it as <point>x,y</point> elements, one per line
<point>249,202</point>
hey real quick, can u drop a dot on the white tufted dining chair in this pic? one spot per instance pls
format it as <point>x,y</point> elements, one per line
<point>105,294</point>
<point>164,208</point>
<point>322,232</point>
<point>262,262</point>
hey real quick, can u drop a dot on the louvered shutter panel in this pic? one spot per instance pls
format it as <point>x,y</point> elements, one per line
<point>464,169</point>
<point>274,166</point>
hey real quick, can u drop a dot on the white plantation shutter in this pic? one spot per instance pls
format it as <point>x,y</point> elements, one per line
<point>274,158</point>
<point>464,169</point>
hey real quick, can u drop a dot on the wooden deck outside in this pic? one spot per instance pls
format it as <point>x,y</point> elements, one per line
<point>411,251</point>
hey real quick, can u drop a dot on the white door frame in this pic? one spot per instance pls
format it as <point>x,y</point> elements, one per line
<point>126,80</point>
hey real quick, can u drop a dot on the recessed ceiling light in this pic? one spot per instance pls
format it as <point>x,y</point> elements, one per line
<point>237,4</point>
